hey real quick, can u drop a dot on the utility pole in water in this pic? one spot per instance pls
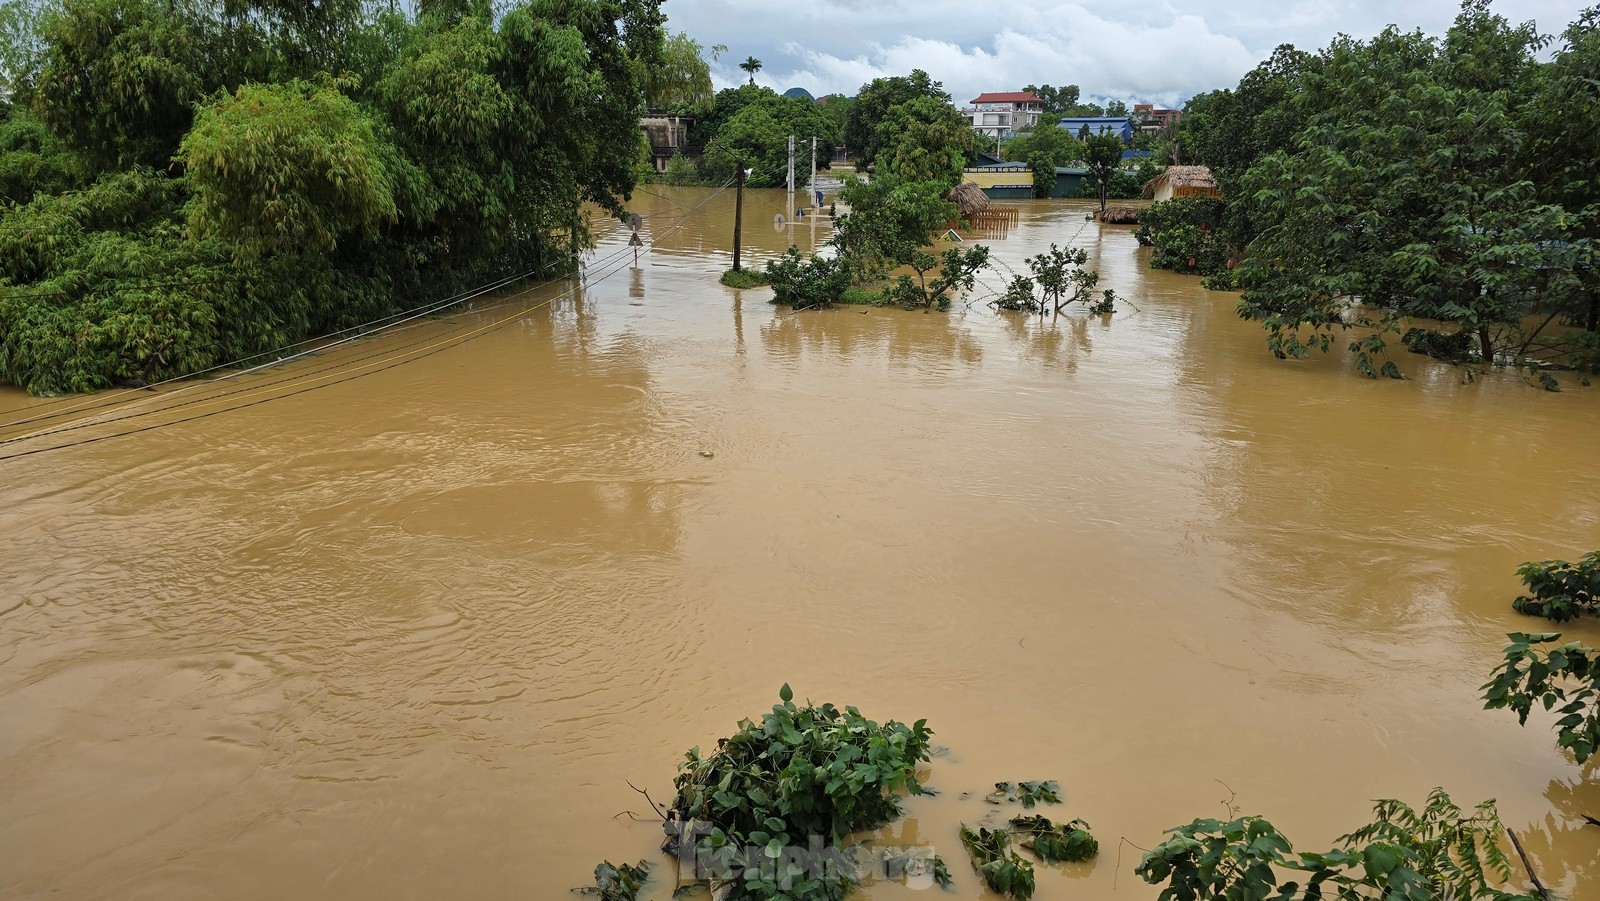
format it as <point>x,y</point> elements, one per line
<point>790,211</point>
<point>812,184</point>
<point>738,211</point>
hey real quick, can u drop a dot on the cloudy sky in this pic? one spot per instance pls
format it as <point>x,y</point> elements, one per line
<point>1143,50</point>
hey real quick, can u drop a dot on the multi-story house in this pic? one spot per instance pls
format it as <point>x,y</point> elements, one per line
<point>1002,114</point>
<point>1153,120</point>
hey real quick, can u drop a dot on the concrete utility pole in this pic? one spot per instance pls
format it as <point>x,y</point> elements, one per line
<point>738,212</point>
<point>790,210</point>
<point>812,184</point>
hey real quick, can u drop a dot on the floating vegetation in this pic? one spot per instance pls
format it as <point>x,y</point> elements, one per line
<point>1002,869</point>
<point>1051,843</point>
<point>1029,793</point>
<point>617,883</point>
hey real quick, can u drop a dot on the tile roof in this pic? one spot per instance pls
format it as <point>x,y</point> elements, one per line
<point>1009,97</point>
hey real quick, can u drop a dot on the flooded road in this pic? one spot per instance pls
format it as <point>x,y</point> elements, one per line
<point>411,635</point>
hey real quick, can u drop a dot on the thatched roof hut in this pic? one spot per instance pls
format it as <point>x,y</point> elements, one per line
<point>969,198</point>
<point>1182,181</point>
<point>1120,215</point>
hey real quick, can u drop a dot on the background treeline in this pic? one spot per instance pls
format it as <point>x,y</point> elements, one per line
<point>1438,190</point>
<point>901,125</point>
<point>185,183</point>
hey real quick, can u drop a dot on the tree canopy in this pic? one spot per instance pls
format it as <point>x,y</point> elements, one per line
<point>189,183</point>
<point>862,135</point>
<point>1435,190</point>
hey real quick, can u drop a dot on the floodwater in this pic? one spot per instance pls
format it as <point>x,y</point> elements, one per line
<point>410,636</point>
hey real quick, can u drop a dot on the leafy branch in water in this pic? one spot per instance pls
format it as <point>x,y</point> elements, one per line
<point>1007,872</point>
<point>1029,793</point>
<point>617,882</point>
<point>1403,855</point>
<point>1558,590</point>
<point>1568,675</point>
<point>1050,842</point>
<point>1002,869</point>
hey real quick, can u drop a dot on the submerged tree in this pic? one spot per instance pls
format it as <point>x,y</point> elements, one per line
<point>1402,199</point>
<point>1060,277</point>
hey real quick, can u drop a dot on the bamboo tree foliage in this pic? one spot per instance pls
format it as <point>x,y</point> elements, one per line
<point>287,168</point>
<point>222,147</point>
<point>120,78</point>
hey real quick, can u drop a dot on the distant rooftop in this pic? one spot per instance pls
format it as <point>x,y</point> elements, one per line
<point>1008,97</point>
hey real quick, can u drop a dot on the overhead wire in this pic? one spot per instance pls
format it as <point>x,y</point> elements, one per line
<point>303,385</point>
<point>319,344</point>
<point>362,330</point>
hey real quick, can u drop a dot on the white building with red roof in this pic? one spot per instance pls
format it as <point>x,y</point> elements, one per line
<point>1000,114</point>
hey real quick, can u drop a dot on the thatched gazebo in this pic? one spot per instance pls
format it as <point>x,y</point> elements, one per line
<point>969,198</point>
<point>1182,181</point>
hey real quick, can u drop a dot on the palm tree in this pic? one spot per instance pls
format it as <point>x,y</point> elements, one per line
<point>751,65</point>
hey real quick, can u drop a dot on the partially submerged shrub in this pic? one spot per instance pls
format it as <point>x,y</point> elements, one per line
<point>1558,590</point>
<point>767,813</point>
<point>1046,791</point>
<point>1059,279</point>
<point>1051,842</point>
<point>617,882</point>
<point>805,283</point>
<point>1002,869</point>
<point>957,271</point>
<point>1185,235</point>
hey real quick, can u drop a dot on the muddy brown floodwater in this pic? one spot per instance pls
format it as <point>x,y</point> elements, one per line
<point>409,636</point>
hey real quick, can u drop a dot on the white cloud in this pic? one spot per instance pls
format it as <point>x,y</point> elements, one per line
<point>1154,51</point>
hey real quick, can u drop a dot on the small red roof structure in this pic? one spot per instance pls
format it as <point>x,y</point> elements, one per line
<point>1009,97</point>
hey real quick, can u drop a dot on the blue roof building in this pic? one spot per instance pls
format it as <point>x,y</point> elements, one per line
<point>1121,126</point>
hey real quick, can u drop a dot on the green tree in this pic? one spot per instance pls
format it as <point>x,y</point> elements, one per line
<point>751,65</point>
<point>1044,147</point>
<point>1561,122</point>
<point>758,134</point>
<point>1056,100</point>
<point>34,162</point>
<point>342,157</point>
<point>1102,156</point>
<point>925,140</point>
<point>120,78</point>
<point>1401,191</point>
<point>872,104</point>
<point>888,220</point>
<point>287,168</point>
<point>22,47</point>
<point>682,80</point>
